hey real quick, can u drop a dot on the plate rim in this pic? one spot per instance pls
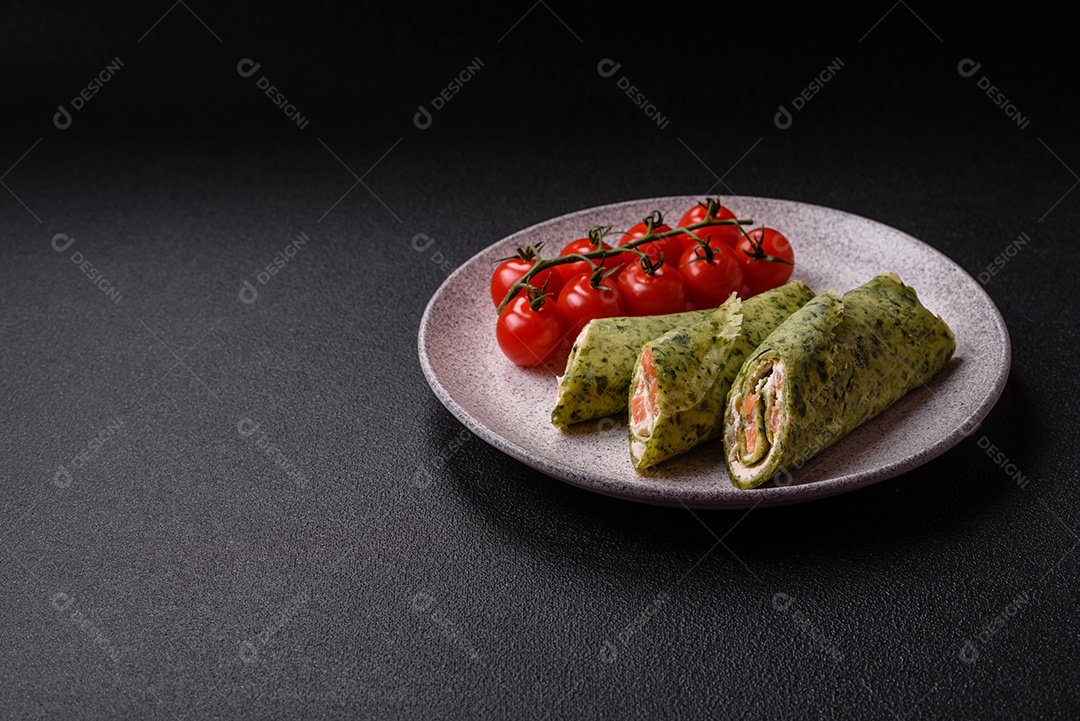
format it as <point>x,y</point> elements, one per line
<point>670,496</point>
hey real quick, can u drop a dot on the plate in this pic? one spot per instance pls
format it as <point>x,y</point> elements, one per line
<point>510,407</point>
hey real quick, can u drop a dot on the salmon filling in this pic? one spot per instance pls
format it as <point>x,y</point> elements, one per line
<point>644,403</point>
<point>758,416</point>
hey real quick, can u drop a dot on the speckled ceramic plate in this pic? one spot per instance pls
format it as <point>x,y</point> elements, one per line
<point>510,407</point>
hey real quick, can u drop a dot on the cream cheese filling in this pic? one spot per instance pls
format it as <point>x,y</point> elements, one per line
<point>753,421</point>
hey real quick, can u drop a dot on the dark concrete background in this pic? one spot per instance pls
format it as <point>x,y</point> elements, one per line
<point>235,534</point>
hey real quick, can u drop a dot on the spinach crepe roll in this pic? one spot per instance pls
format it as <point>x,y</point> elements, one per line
<point>681,379</point>
<point>831,366</point>
<point>596,381</point>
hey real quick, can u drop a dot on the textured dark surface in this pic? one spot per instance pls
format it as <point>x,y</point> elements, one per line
<point>360,554</point>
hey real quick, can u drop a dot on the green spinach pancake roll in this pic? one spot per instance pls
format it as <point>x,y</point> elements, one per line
<point>681,379</point>
<point>596,381</point>
<point>833,365</point>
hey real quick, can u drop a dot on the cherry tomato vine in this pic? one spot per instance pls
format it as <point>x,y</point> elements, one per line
<point>652,223</point>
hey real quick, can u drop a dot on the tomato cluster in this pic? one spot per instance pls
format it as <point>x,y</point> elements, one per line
<point>680,271</point>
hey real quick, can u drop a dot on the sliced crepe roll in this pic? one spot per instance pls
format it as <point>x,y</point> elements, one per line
<point>833,365</point>
<point>681,379</point>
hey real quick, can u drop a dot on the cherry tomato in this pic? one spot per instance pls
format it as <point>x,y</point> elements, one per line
<point>511,269</point>
<point>711,274</point>
<point>767,259</point>
<point>588,296</point>
<point>530,329</point>
<point>714,235</point>
<point>582,245</point>
<point>650,290</point>
<point>670,247</point>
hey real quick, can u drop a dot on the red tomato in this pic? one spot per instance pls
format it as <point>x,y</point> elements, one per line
<point>582,245</point>
<point>767,259</point>
<point>670,247</point>
<point>711,274</point>
<point>714,235</point>
<point>530,330</point>
<point>511,269</point>
<point>585,297</point>
<point>650,290</point>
